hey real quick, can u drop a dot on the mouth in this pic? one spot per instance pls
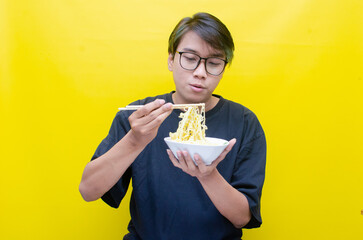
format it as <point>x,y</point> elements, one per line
<point>196,87</point>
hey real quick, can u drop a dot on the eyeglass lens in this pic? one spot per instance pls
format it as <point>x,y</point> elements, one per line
<point>190,61</point>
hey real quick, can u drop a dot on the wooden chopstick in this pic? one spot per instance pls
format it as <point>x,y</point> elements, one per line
<point>175,106</point>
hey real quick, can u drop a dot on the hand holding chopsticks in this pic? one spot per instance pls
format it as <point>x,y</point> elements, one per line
<point>175,106</point>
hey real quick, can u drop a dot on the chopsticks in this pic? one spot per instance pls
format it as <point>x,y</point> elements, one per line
<point>175,106</point>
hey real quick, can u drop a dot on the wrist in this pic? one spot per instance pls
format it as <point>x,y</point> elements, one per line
<point>210,178</point>
<point>134,141</point>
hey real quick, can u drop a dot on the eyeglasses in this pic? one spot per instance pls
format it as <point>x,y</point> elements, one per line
<point>213,65</point>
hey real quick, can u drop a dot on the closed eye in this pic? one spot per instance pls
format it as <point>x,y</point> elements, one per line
<point>190,59</point>
<point>214,64</point>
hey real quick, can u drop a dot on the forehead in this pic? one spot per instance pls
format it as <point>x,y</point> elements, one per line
<point>192,42</point>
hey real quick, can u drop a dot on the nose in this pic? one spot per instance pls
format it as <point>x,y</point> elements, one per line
<point>200,71</point>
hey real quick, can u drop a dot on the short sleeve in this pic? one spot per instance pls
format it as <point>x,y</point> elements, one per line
<point>119,128</point>
<point>249,170</point>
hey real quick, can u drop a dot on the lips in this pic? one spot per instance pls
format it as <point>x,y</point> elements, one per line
<point>196,87</point>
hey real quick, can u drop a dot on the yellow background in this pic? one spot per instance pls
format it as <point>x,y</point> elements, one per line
<point>66,66</point>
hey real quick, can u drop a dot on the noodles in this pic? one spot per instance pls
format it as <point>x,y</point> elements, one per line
<point>192,126</point>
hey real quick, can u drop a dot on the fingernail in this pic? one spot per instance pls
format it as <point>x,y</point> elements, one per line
<point>161,101</point>
<point>167,106</point>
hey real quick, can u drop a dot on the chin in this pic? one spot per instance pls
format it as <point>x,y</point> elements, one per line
<point>197,99</point>
<point>190,97</point>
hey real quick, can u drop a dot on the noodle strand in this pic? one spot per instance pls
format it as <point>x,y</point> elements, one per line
<point>192,127</point>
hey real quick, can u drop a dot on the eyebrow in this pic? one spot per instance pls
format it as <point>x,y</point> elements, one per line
<point>219,55</point>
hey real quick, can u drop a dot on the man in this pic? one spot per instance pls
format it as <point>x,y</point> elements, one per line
<point>175,199</point>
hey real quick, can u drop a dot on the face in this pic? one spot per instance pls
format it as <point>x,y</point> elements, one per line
<point>194,86</point>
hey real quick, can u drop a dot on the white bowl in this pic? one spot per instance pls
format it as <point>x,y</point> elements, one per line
<point>208,153</point>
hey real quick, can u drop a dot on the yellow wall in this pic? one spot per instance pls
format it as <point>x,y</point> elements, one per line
<point>66,66</point>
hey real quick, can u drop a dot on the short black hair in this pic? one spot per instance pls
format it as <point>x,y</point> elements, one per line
<point>209,28</point>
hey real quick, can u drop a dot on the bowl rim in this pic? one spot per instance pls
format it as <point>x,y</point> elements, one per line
<point>224,142</point>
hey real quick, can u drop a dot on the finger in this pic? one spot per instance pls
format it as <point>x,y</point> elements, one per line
<point>139,117</point>
<point>158,116</point>
<point>231,143</point>
<point>182,162</point>
<point>173,158</point>
<point>201,165</point>
<point>151,126</point>
<point>189,161</point>
<point>228,148</point>
<point>154,119</point>
<point>148,108</point>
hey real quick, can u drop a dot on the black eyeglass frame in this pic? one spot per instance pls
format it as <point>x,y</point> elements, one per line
<point>205,63</point>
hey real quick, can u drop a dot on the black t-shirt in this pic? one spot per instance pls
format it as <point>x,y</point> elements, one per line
<point>167,203</point>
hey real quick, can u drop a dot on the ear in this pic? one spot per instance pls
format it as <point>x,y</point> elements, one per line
<point>170,62</point>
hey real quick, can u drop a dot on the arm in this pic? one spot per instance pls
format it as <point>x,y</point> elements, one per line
<point>229,201</point>
<point>102,173</point>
